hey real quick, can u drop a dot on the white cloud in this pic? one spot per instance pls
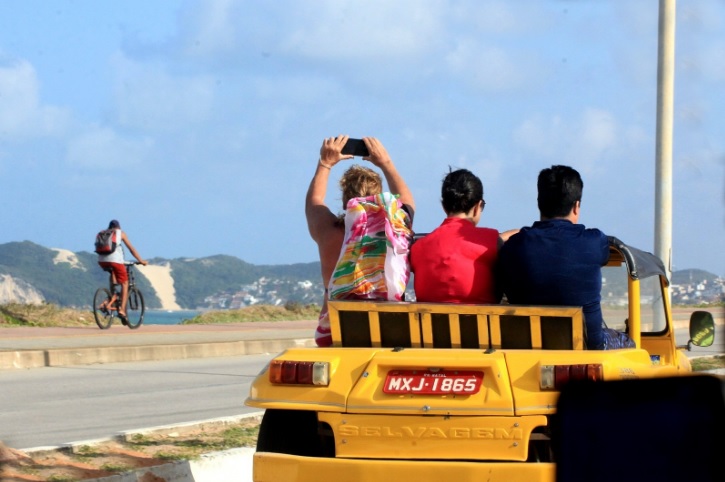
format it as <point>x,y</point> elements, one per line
<point>499,17</point>
<point>713,62</point>
<point>103,149</point>
<point>149,97</point>
<point>581,141</point>
<point>213,30</point>
<point>357,31</point>
<point>22,116</point>
<point>484,67</point>
<point>598,131</point>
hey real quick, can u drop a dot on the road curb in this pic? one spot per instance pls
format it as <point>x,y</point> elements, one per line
<point>113,354</point>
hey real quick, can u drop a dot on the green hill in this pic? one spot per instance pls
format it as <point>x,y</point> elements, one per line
<point>215,282</point>
<point>690,276</point>
<point>73,283</point>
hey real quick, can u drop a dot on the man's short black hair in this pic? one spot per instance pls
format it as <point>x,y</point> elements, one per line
<point>560,187</point>
<point>114,224</point>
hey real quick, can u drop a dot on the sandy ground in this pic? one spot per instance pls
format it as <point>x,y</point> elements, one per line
<point>112,457</point>
<point>160,278</point>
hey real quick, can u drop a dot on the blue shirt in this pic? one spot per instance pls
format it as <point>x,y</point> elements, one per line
<point>556,262</point>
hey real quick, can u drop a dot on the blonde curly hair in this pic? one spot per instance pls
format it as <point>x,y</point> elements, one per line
<point>359,181</point>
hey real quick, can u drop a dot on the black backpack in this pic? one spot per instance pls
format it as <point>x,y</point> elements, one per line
<point>106,241</point>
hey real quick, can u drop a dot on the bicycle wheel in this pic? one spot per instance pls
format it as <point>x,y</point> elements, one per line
<point>104,316</point>
<point>135,308</point>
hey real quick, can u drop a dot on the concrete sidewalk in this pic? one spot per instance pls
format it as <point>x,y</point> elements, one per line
<point>32,347</point>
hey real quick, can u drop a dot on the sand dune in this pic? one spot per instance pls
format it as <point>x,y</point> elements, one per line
<point>160,278</point>
<point>66,256</point>
<point>18,291</point>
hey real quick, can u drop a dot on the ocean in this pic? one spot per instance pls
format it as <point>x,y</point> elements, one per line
<point>161,317</point>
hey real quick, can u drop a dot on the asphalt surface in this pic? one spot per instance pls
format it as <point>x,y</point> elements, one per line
<point>32,347</point>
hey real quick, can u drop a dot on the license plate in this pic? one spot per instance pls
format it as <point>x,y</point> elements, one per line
<point>427,382</point>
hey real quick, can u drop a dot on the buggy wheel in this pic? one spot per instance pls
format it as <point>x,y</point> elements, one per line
<point>135,308</point>
<point>293,432</point>
<point>103,316</point>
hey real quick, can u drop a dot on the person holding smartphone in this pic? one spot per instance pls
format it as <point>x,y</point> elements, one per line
<point>328,229</point>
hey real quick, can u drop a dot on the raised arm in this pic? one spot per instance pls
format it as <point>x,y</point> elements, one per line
<point>505,235</point>
<point>130,247</point>
<point>319,217</point>
<point>379,156</point>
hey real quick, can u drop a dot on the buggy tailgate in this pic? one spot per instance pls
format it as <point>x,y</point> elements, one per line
<point>492,397</point>
<point>397,409</point>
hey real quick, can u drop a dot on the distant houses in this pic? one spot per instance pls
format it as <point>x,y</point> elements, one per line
<point>268,291</point>
<point>698,292</point>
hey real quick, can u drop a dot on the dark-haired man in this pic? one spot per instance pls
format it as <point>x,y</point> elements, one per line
<point>557,261</point>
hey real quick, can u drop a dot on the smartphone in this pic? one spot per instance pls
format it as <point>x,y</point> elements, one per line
<point>356,147</point>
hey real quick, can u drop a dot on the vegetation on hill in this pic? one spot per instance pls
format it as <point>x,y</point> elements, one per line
<point>73,285</point>
<point>195,279</point>
<point>222,282</point>
<point>687,276</point>
<point>61,283</point>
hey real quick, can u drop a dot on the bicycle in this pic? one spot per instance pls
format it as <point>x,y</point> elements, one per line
<point>107,301</point>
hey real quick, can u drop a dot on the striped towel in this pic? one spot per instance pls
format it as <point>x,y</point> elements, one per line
<point>373,263</point>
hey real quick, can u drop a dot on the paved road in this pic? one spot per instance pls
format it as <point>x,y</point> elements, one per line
<point>57,405</point>
<point>76,353</point>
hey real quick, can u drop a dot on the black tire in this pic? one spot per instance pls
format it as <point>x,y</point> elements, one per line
<point>104,318</point>
<point>292,432</point>
<point>135,308</point>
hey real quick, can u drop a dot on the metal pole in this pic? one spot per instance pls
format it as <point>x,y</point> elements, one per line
<point>663,155</point>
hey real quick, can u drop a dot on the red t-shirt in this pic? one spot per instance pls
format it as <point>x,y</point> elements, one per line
<point>455,263</point>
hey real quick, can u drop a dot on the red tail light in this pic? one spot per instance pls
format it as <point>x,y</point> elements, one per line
<point>288,372</point>
<point>553,377</point>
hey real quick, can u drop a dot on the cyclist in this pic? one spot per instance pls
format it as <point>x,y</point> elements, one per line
<point>114,263</point>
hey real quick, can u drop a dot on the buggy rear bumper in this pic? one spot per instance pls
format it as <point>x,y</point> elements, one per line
<point>273,467</point>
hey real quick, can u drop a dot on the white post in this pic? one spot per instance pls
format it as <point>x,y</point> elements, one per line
<point>665,102</point>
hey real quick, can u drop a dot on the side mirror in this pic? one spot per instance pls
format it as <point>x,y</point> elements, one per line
<point>702,329</point>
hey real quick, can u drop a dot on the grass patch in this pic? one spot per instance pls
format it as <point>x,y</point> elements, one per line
<point>43,315</point>
<point>172,457</point>
<point>197,442</point>
<point>708,363</point>
<point>229,438</point>
<point>61,478</point>
<point>288,312</point>
<point>88,451</point>
<point>48,315</point>
<point>111,467</point>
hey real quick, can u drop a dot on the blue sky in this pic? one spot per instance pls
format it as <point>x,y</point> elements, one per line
<point>198,124</point>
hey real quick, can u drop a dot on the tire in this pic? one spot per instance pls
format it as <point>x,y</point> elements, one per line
<point>104,318</point>
<point>292,432</point>
<point>135,308</point>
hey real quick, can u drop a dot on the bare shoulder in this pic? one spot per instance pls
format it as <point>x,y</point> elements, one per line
<point>321,223</point>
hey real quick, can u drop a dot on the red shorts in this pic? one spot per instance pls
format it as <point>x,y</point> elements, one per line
<point>116,268</point>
